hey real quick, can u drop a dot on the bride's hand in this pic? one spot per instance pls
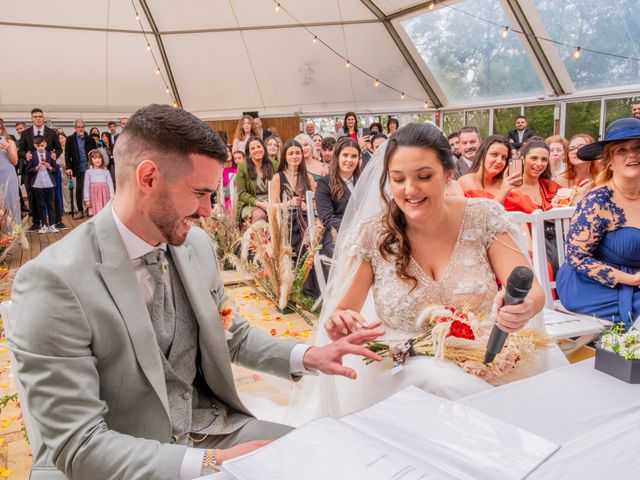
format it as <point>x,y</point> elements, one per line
<point>343,322</point>
<point>511,318</point>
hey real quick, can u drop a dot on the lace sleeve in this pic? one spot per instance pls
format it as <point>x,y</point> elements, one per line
<point>595,215</point>
<point>361,242</point>
<point>496,220</point>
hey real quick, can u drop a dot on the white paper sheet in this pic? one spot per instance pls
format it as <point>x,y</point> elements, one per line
<point>562,325</point>
<point>460,440</point>
<point>328,448</point>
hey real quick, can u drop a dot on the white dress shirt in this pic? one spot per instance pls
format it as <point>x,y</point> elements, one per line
<point>136,247</point>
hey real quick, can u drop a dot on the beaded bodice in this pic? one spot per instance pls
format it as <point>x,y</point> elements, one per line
<point>468,283</point>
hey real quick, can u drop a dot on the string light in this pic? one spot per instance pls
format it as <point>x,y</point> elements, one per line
<point>315,39</point>
<point>137,16</point>
<point>577,53</point>
<point>166,89</point>
<point>426,104</point>
<point>377,83</point>
<point>348,64</point>
<point>157,71</point>
<point>402,96</point>
<point>432,5</point>
<point>277,7</point>
<point>505,32</point>
<point>148,46</point>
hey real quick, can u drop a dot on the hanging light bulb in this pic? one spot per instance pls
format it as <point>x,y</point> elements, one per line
<point>348,64</point>
<point>137,16</point>
<point>577,53</point>
<point>505,32</point>
<point>277,7</point>
<point>402,96</point>
<point>148,46</point>
<point>315,39</point>
<point>432,5</point>
<point>426,104</point>
<point>377,83</point>
<point>157,71</point>
<point>175,104</point>
<point>166,89</point>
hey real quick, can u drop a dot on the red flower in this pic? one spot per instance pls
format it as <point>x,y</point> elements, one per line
<point>461,330</point>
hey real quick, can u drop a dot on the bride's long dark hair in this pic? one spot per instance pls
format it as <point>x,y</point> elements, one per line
<point>394,240</point>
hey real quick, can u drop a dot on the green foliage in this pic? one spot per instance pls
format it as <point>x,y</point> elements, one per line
<point>617,108</point>
<point>504,119</point>
<point>480,120</point>
<point>540,119</point>
<point>583,117</point>
<point>453,122</point>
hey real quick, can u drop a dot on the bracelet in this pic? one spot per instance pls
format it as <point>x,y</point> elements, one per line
<point>209,462</point>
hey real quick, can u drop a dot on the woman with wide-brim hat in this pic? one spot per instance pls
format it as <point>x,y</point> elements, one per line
<point>601,275</point>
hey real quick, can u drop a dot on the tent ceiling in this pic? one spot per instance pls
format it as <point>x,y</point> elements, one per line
<point>229,56</point>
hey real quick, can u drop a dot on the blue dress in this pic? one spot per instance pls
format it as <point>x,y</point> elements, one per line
<point>598,241</point>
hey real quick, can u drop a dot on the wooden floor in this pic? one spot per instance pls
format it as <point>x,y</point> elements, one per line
<point>38,242</point>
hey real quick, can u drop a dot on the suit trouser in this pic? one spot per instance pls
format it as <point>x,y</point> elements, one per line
<point>44,205</point>
<point>252,430</point>
<point>58,198</point>
<point>80,192</point>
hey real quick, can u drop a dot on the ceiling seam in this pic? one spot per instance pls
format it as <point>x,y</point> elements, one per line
<point>107,52</point>
<point>246,49</point>
<point>163,52</point>
<point>346,51</point>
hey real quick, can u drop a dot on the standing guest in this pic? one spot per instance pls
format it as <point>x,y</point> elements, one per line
<point>519,135</point>
<point>375,127</point>
<point>252,180</point>
<point>113,129</point>
<point>26,148</point>
<point>316,138</point>
<point>392,125</point>
<point>42,167</point>
<point>469,144</point>
<point>228,176</point>
<point>8,177</point>
<point>635,109</point>
<point>107,143</point>
<point>489,177</point>
<point>377,140</point>
<point>310,128</point>
<point>20,127</point>
<point>350,128</point>
<point>337,127</point>
<point>94,131</point>
<point>578,173</point>
<point>316,167</point>
<point>558,155</point>
<point>289,186</point>
<point>244,130</point>
<point>66,193</point>
<point>454,143</point>
<point>123,123</point>
<point>334,190</point>
<point>601,275</point>
<point>76,160</point>
<point>260,132</point>
<point>21,166</point>
<point>119,326</point>
<point>274,132</point>
<point>273,148</point>
<point>98,185</point>
<point>326,149</point>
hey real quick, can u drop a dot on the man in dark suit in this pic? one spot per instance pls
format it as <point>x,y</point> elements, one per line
<point>521,133</point>
<point>26,146</point>
<point>79,144</point>
<point>470,142</point>
<point>123,123</point>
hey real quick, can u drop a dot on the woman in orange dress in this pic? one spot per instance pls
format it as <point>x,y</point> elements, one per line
<point>578,171</point>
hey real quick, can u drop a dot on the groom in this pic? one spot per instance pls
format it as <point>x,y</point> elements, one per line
<point>118,339</point>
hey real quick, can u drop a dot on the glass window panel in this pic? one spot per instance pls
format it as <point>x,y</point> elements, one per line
<point>540,119</point>
<point>416,117</point>
<point>453,122</point>
<point>469,57</point>
<point>616,108</point>
<point>480,120</point>
<point>504,120</point>
<point>583,117</point>
<point>612,27</point>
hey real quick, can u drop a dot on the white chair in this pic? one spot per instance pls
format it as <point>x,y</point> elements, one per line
<point>232,190</point>
<point>35,442</point>
<point>320,260</point>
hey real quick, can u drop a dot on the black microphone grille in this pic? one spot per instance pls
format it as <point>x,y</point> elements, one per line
<point>521,278</point>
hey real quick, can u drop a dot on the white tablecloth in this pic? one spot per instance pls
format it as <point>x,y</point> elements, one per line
<point>594,417</point>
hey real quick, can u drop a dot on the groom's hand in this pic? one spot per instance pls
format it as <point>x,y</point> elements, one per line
<point>328,359</point>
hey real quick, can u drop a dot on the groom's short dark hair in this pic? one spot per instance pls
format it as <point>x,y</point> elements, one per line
<point>168,136</point>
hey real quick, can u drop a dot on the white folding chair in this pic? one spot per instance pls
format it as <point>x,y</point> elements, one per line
<point>232,190</point>
<point>35,442</point>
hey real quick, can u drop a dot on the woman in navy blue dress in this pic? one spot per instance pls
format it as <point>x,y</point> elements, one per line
<point>601,275</point>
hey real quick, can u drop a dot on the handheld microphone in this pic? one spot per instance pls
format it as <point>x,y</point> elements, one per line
<point>516,290</point>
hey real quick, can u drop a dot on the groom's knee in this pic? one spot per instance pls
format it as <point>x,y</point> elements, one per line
<point>252,430</point>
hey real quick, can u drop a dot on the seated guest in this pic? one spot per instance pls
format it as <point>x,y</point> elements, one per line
<point>578,172</point>
<point>489,176</point>
<point>375,127</point>
<point>290,186</point>
<point>377,139</point>
<point>316,167</point>
<point>334,190</point>
<point>274,145</point>
<point>392,125</point>
<point>601,275</point>
<point>558,154</point>
<point>316,138</point>
<point>252,179</point>
<point>244,130</point>
<point>537,189</point>
<point>228,175</point>
<point>327,148</point>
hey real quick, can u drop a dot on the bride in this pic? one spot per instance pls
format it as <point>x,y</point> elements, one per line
<point>403,244</point>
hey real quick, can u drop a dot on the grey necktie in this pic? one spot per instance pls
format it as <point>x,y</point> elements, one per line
<point>39,133</point>
<point>163,312</point>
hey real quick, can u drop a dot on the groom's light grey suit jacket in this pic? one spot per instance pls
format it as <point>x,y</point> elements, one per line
<point>88,358</point>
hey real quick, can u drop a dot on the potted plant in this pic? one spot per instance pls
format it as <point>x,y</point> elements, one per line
<point>618,353</point>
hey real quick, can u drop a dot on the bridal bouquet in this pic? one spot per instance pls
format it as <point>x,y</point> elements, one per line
<point>566,197</point>
<point>462,338</point>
